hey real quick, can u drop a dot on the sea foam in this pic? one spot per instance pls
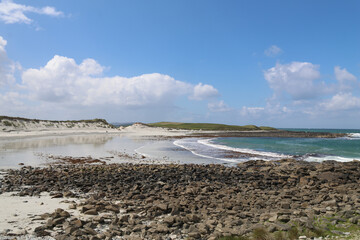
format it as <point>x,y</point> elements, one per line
<point>209,142</point>
<point>354,135</point>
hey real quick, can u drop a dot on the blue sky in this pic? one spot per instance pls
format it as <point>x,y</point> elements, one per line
<point>277,63</point>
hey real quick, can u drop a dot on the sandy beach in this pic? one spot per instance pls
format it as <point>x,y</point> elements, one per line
<point>155,197</point>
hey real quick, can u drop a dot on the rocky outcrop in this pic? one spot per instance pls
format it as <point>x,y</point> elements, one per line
<point>193,201</point>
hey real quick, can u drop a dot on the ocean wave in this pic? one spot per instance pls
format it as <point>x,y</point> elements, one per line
<point>185,144</point>
<point>208,142</point>
<point>328,158</point>
<point>206,148</point>
<point>354,135</point>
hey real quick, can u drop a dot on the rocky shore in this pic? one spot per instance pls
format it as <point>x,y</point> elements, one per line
<point>260,200</point>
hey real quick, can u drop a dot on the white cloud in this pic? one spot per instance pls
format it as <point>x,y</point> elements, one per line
<point>340,102</point>
<point>272,51</point>
<point>3,43</point>
<point>11,99</point>
<point>11,12</point>
<point>251,111</point>
<point>220,106</point>
<point>63,80</point>
<point>346,80</point>
<point>7,67</point>
<point>204,91</point>
<point>296,79</point>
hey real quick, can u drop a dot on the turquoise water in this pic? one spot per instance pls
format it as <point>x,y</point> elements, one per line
<point>309,149</point>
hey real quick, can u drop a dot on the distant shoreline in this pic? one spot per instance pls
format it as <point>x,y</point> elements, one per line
<point>22,127</point>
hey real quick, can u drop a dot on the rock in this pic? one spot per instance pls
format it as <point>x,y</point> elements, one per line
<point>195,235</point>
<point>162,229</point>
<point>161,206</point>
<point>210,200</point>
<point>90,231</point>
<point>77,223</point>
<point>68,194</point>
<point>112,208</point>
<point>273,217</point>
<point>91,212</point>
<point>69,230</point>
<point>284,218</point>
<point>72,206</point>
<point>192,218</point>
<point>124,219</point>
<point>203,228</point>
<point>169,220</point>
<point>57,195</point>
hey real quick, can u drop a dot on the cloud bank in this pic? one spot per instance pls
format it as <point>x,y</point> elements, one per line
<point>300,96</point>
<point>63,80</point>
<point>62,83</point>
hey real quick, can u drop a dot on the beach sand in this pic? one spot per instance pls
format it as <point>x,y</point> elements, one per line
<point>139,145</point>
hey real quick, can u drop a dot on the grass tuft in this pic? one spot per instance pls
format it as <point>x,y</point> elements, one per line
<point>261,234</point>
<point>293,233</point>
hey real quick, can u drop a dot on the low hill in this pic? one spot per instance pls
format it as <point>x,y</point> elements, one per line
<point>17,123</point>
<point>208,126</point>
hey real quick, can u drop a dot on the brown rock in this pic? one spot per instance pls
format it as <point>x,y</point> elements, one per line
<point>91,212</point>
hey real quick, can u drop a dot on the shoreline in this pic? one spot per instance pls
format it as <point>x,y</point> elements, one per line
<point>140,173</point>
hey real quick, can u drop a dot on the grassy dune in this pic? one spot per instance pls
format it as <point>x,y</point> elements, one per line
<point>208,126</point>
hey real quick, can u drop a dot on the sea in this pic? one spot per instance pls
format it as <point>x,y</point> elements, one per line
<point>242,149</point>
<point>38,151</point>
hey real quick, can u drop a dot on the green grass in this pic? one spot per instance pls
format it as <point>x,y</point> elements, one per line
<point>7,123</point>
<point>207,126</point>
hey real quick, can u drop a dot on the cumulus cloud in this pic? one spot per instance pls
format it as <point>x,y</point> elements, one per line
<point>11,12</point>
<point>273,51</point>
<point>220,106</point>
<point>204,91</point>
<point>296,79</point>
<point>346,80</point>
<point>7,67</point>
<point>63,80</point>
<point>341,102</point>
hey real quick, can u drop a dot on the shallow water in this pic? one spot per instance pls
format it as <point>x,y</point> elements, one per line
<point>33,151</point>
<point>235,149</point>
<point>37,151</point>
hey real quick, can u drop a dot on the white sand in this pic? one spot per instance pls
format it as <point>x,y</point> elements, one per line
<point>17,213</point>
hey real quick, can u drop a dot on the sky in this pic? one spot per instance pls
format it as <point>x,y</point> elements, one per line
<point>274,63</point>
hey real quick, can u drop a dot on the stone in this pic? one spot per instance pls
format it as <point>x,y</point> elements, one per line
<point>169,220</point>
<point>192,218</point>
<point>90,231</point>
<point>195,235</point>
<point>273,217</point>
<point>112,208</point>
<point>162,229</point>
<point>91,212</point>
